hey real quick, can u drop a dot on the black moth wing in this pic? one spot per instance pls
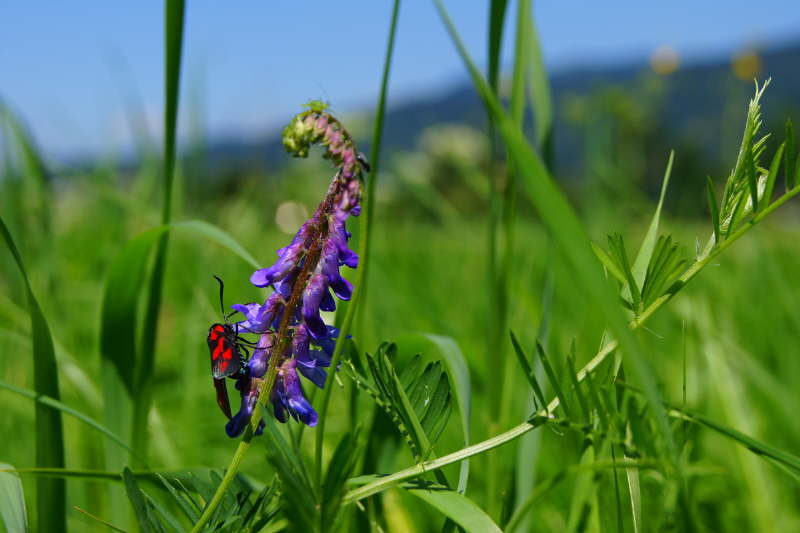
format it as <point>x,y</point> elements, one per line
<point>226,361</point>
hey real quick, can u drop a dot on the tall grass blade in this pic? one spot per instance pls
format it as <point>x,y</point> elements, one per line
<point>789,155</point>
<point>540,97</point>
<point>173,41</point>
<point>772,176</point>
<point>639,268</point>
<point>454,506</point>
<point>528,370</point>
<point>458,373</point>
<point>59,406</point>
<point>497,16</point>
<point>12,501</point>
<point>50,493</point>
<point>713,209</point>
<point>35,170</point>
<point>551,376</point>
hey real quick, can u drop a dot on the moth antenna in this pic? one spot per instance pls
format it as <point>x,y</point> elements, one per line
<point>221,291</point>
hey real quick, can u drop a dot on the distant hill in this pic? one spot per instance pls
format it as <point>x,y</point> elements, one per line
<point>700,105</point>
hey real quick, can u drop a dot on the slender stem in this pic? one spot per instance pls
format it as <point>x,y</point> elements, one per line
<point>519,430</point>
<point>364,243</point>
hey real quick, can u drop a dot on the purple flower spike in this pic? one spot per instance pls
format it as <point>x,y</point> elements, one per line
<point>294,339</point>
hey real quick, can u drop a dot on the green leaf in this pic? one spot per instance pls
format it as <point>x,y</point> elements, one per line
<point>551,375</point>
<point>772,176</point>
<point>12,501</point>
<point>460,385</point>
<point>576,386</point>
<point>55,404</point>
<point>759,448</point>
<point>789,155</point>
<point>713,209</point>
<point>542,101</point>
<point>583,508</point>
<point>454,506</point>
<point>50,493</point>
<point>609,263</point>
<point>217,235</point>
<point>632,475</point>
<point>616,245</point>
<point>529,372</point>
<point>137,500</point>
<point>497,15</point>
<point>750,173</point>
<point>648,244</point>
<point>119,313</point>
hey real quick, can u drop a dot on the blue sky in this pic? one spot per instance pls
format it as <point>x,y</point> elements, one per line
<point>70,67</point>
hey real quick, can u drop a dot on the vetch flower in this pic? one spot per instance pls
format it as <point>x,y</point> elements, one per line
<point>294,338</point>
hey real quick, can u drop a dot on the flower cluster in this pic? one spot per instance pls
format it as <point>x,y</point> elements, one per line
<point>293,336</point>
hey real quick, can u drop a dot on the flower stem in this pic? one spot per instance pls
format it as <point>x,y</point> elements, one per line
<point>363,245</point>
<point>498,440</point>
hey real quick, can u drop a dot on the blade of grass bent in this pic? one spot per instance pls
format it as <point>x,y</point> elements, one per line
<point>50,493</point>
<point>59,406</point>
<point>455,506</point>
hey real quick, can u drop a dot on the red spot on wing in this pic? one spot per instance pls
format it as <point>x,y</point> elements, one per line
<point>223,365</point>
<point>227,354</point>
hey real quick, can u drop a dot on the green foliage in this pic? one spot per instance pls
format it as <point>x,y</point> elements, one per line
<point>418,401</point>
<point>12,501</point>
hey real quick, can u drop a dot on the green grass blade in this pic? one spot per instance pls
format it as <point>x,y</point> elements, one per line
<point>218,235</point>
<point>12,501</point>
<point>458,373</point>
<point>583,508</point>
<point>527,369</point>
<point>497,16</point>
<point>551,376</point>
<point>137,501</point>
<point>772,176</point>
<point>576,385</point>
<point>758,447</point>
<point>635,491</point>
<point>789,155</point>
<point>639,268</point>
<point>173,41</point>
<point>121,294</point>
<point>35,167</point>
<point>50,493</point>
<point>713,208</point>
<point>540,97</point>
<point>57,405</point>
<point>520,63</point>
<point>454,506</point>
<point>750,173</point>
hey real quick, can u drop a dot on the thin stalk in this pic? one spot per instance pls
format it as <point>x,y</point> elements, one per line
<point>364,242</point>
<point>388,481</point>
<point>173,37</point>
